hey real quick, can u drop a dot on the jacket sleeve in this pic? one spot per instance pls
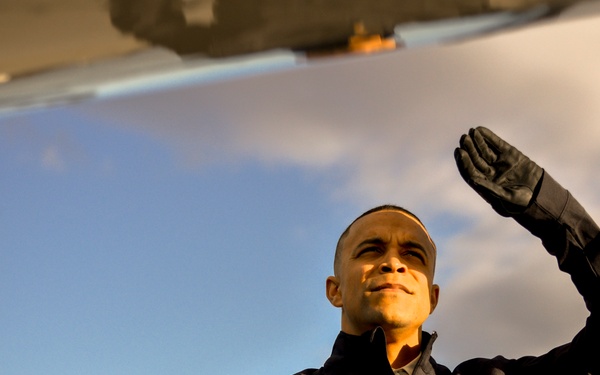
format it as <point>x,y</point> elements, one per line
<point>570,234</point>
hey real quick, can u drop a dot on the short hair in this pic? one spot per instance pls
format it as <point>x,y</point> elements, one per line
<point>384,207</point>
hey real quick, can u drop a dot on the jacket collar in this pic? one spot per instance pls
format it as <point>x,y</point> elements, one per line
<point>367,354</point>
<point>426,363</point>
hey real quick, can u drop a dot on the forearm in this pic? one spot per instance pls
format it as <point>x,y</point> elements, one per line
<point>569,233</point>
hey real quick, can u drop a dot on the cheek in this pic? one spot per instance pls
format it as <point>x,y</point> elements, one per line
<point>366,269</point>
<point>423,280</point>
<point>354,278</point>
<point>359,272</point>
<point>425,272</point>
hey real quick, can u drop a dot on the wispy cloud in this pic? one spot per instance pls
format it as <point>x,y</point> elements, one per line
<point>52,159</point>
<point>51,147</point>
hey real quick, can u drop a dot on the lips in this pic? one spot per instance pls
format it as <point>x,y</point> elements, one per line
<point>391,287</point>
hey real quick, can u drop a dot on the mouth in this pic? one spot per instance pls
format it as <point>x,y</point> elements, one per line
<point>390,287</point>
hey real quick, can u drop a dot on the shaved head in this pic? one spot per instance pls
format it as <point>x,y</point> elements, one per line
<point>385,207</point>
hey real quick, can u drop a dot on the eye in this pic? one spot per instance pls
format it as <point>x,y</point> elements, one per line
<point>416,254</point>
<point>370,249</point>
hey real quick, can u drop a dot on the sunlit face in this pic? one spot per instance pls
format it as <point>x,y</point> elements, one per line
<point>385,274</point>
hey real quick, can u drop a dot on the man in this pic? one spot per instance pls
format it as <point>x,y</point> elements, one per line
<point>385,262</point>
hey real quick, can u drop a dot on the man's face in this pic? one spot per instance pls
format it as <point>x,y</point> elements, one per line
<point>385,274</point>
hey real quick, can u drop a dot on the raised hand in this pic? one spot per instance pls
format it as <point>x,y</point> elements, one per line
<point>497,171</point>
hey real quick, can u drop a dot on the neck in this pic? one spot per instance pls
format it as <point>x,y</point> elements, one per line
<point>402,347</point>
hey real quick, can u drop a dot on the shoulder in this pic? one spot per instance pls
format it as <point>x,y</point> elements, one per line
<point>438,369</point>
<point>482,366</point>
<point>553,362</point>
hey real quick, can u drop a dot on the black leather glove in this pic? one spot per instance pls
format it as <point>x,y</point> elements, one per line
<point>497,171</point>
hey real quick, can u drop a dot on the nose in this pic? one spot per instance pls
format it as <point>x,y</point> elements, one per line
<point>392,264</point>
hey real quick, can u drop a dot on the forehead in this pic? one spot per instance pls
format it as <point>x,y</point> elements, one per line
<point>388,224</point>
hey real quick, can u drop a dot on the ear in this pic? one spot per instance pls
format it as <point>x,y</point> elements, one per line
<point>434,296</point>
<point>332,288</point>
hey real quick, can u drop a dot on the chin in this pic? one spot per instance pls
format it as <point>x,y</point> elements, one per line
<point>392,319</point>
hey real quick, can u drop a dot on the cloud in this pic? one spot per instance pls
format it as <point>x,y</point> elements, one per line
<point>52,147</point>
<point>385,120</point>
<point>52,159</point>
<point>504,296</point>
<point>383,129</point>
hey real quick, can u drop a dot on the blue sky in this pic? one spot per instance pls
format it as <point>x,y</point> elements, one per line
<point>144,267</point>
<point>191,230</point>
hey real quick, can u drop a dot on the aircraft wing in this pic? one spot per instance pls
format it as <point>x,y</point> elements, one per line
<point>68,52</point>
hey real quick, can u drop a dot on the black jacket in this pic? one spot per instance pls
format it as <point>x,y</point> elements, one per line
<point>569,234</point>
<point>366,354</point>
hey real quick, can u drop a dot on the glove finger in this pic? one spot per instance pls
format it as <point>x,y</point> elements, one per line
<point>487,153</point>
<point>465,166</point>
<point>466,144</point>
<point>496,143</point>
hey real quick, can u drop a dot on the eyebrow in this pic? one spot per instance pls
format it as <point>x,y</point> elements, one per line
<point>380,241</point>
